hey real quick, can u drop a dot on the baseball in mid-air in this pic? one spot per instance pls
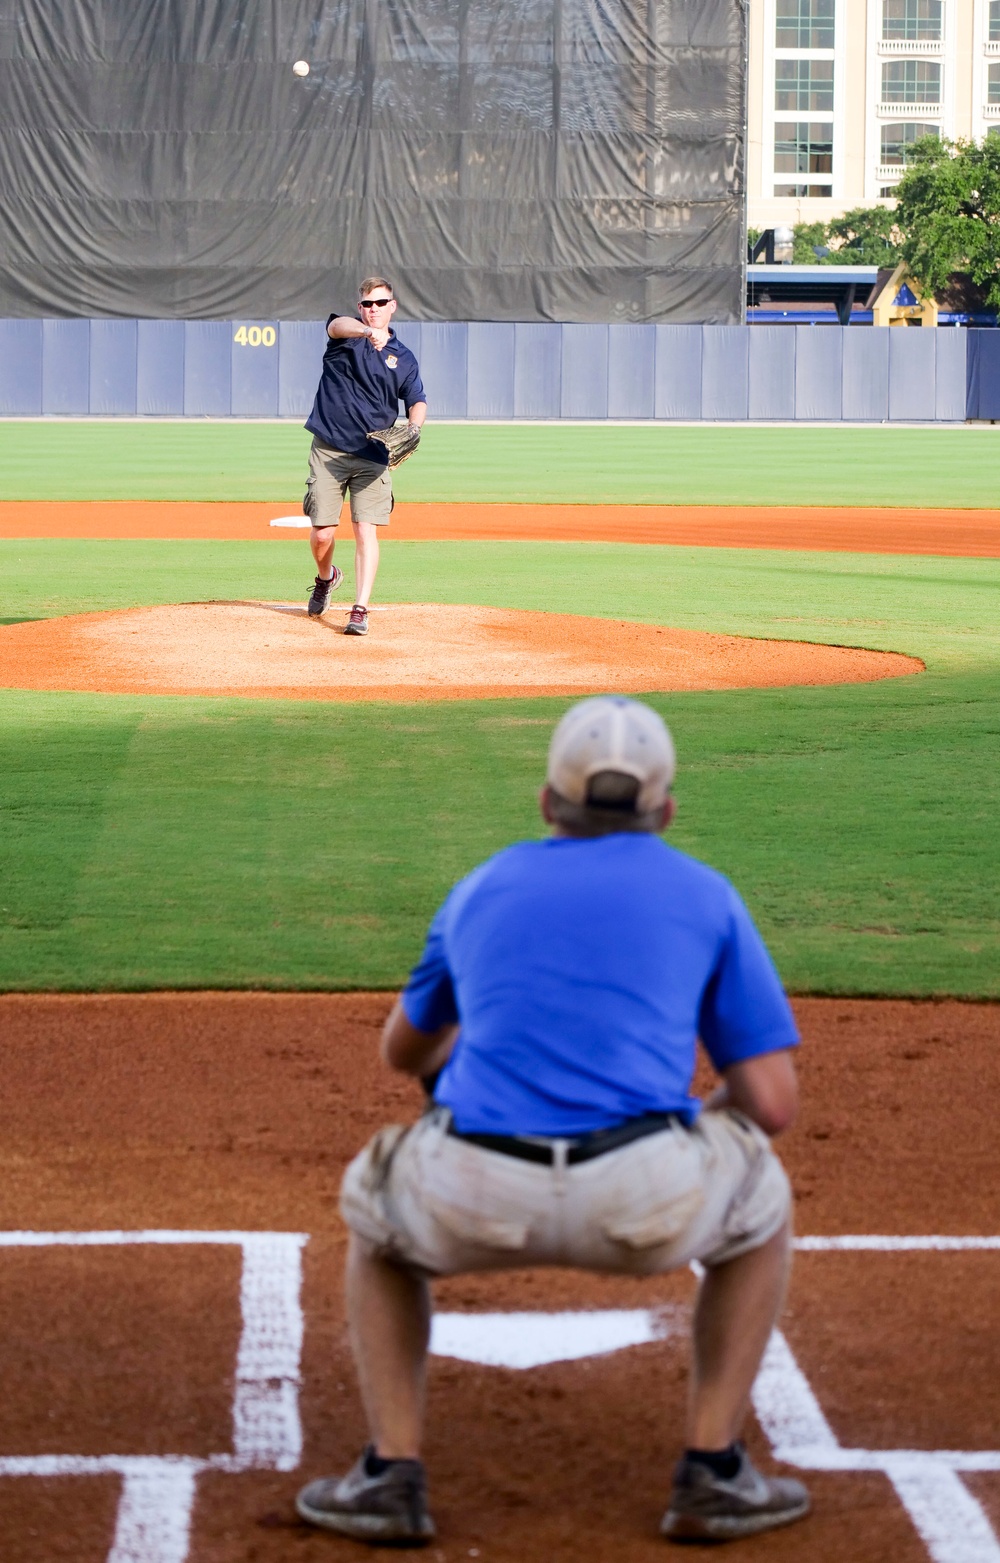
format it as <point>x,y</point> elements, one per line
<point>301,67</point>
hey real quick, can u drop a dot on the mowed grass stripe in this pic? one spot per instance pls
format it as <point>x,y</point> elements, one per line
<point>597,464</point>
<point>259,844</point>
<point>943,610</point>
<point>245,844</point>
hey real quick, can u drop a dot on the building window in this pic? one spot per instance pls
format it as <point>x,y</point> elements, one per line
<point>821,190</point>
<point>804,24</point>
<point>803,148</point>
<point>911,81</point>
<point>897,140</point>
<point>994,21</point>
<point>909,20</point>
<point>803,86</point>
<point>888,192</point>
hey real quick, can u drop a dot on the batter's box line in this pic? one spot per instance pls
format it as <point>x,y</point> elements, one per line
<point>153,1522</point>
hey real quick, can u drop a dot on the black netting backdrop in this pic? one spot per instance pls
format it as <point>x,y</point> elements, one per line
<point>574,160</point>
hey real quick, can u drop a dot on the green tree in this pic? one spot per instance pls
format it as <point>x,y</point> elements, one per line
<point>809,237</point>
<point>866,236</point>
<point>948,212</point>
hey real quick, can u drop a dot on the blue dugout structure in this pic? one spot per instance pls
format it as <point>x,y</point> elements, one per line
<point>269,369</point>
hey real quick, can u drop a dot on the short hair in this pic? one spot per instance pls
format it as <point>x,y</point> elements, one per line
<point>375,282</point>
<point>610,807</point>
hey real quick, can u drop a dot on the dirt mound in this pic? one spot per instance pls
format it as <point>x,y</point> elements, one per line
<point>414,651</point>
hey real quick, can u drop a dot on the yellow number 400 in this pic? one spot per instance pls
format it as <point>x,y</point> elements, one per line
<point>256,336</point>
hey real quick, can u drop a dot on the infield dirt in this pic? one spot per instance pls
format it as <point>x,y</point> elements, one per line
<point>239,1111</point>
<point>956,533</point>
<point>415,651</point>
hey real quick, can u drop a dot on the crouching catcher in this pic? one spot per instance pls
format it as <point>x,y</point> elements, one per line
<point>557,1007</point>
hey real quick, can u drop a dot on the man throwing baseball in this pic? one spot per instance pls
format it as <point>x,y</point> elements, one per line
<point>556,1008</point>
<point>367,372</point>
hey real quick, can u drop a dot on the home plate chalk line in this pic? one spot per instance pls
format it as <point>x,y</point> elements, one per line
<point>153,1522</point>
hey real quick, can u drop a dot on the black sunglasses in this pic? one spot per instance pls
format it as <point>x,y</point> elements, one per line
<point>370,303</point>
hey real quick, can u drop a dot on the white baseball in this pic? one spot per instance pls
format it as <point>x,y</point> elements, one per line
<point>301,67</point>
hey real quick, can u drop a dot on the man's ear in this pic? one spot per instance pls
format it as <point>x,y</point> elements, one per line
<point>545,804</point>
<point>668,812</point>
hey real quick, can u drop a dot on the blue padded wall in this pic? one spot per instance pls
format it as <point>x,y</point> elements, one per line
<point>677,372</point>
<point>20,368</point>
<point>631,371</point>
<point>911,372</point>
<point>207,368</point>
<point>584,372</point>
<point>771,364</point>
<point>949,373</point>
<point>537,370</point>
<point>502,370</point>
<point>112,368</point>
<point>983,375</point>
<point>491,370</point>
<point>866,374</point>
<point>443,360</point>
<point>301,345</point>
<point>159,373</point>
<point>725,375</point>
<point>408,332</point>
<point>65,366</point>
<point>819,368</point>
<point>254,370</point>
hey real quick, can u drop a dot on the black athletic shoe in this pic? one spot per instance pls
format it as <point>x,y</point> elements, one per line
<point>357,624</point>
<point>389,1508</point>
<point>320,599</point>
<point>707,1507</point>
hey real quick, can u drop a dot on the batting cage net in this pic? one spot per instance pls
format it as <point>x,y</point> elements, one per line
<point>567,160</point>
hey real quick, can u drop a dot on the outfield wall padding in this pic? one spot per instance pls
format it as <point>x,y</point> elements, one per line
<point>505,370</point>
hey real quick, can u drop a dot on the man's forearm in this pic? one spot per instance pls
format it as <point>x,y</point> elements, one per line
<point>416,414</point>
<point>344,326</point>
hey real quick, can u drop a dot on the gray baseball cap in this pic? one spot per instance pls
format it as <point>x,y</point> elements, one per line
<point>612,733</point>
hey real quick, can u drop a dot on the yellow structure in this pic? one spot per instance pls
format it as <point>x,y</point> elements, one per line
<point>887,312</point>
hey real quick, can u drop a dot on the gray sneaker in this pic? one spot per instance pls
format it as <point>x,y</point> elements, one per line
<point>320,599</point>
<point>391,1508</point>
<point>706,1507</point>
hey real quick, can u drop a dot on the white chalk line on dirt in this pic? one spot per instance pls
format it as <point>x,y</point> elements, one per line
<point>153,1522</point>
<point>154,1512</point>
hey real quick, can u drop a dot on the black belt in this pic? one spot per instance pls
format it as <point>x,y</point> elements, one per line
<point>583,1147</point>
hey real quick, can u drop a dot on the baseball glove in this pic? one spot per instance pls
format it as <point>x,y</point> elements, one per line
<point>400,441</point>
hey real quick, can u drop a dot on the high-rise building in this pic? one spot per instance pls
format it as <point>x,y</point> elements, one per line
<point>839,89</point>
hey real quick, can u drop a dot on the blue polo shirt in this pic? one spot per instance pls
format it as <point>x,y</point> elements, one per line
<point>360,389</point>
<point>582,973</point>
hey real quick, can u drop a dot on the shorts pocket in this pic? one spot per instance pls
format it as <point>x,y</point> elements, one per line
<point>658,1224</point>
<point>477,1230</point>
<point>362,1192</point>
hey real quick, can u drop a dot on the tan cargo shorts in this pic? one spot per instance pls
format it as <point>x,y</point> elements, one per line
<point>332,474</point>
<point>445,1206</point>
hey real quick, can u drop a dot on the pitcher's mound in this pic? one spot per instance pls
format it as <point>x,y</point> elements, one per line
<point>414,651</point>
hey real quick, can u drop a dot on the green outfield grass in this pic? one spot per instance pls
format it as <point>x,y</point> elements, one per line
<point>153,842</point>
<point>596,464</point>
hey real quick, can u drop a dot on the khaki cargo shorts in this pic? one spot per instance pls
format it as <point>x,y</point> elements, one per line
<point>446,1206</point>
<point>332,474</point>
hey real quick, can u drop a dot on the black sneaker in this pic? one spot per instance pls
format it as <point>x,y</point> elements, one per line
<point>320,599</point>
<point>390,1508</point>
<point>357,624</point>
<point>706,1507</point>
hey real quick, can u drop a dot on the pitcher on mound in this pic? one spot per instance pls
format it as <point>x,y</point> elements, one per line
<point>367,372</point>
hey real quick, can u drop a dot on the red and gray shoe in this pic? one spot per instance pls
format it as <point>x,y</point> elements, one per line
<point>387,1509</point>
<point>707,1507</point>
<point>357,624</point>
<point>320,599</point>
